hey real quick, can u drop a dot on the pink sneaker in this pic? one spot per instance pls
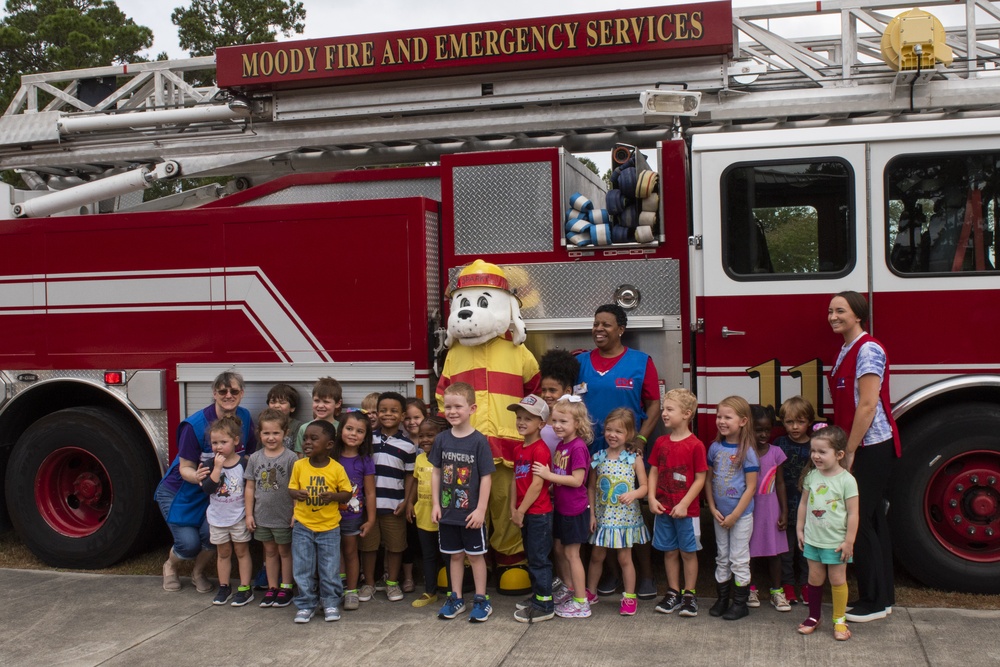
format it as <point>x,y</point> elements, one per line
<point>592,598</point>
<point>628,607</point>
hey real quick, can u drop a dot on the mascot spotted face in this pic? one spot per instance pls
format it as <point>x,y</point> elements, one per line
<point>481,312</point>
<point>486,324</point>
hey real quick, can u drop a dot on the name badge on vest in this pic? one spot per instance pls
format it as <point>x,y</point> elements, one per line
<point>841,383</point>
<point>580,388</point>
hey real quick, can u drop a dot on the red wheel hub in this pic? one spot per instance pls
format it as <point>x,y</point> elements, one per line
<point>73,492</point>
<point>962,506</point>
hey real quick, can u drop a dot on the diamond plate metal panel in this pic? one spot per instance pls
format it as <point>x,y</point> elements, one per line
<point>576,289</point>
<point>153,421</point>
<point>363,191</point>
<point>433,272</point>
<point>503,208</point>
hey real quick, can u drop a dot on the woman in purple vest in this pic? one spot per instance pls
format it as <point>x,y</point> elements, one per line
<point>859,387</point>
<point>179,493</point>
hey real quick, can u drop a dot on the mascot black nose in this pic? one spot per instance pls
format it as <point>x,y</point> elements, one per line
<point>464,314</point>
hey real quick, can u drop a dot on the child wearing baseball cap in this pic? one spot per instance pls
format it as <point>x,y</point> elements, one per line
<point>531,508</point>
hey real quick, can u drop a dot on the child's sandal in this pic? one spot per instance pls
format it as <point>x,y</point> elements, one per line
<point>805,628</point>
<point>841,632</point>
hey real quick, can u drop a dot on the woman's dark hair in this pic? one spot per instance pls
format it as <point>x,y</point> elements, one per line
<point>561,366</point>
<point>857,303</point>
<point>365,448</point>
<point>619,313</point>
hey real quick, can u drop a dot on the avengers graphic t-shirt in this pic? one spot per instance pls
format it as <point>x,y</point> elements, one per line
<point>463,462</point>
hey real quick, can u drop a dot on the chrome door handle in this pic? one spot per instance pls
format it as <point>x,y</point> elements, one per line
<point>727,332</point>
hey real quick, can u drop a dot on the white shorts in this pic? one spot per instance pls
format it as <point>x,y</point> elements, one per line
<point>238,532</point>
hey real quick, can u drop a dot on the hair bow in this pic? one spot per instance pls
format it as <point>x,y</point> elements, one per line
<point>818,425</point>
<point>570,397</point>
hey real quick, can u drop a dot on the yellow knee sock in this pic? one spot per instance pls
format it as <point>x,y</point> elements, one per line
<point>839,600</point>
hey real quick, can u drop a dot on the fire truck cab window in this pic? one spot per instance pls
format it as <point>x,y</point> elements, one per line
<point>788,220</point>
<point>941,213</point>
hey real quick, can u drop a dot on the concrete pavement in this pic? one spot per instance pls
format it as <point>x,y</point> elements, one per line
<point>53,618</point>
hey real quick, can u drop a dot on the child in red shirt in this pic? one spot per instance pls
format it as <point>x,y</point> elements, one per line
<point>678,466</point>
<point>531,508</point>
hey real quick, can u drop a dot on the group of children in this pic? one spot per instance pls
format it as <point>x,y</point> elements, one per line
<point>389,474</point>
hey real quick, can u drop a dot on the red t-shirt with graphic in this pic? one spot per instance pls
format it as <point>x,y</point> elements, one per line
<point>676,463</point>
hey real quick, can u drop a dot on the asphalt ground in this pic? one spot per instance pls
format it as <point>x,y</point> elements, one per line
<point>57,618</point>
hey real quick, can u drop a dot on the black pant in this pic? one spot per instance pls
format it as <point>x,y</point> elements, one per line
<point>793,556</point>
<point>872,548</point>
<point>430,560</point>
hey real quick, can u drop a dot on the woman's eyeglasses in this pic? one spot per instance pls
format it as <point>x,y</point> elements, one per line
<point>226,391</point>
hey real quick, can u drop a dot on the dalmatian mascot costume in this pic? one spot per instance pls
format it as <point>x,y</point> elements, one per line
<point>486,323</point>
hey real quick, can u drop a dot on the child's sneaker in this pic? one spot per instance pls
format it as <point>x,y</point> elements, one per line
<point>243,596</point>
<point>380,585</point>
<point>331,614</point>
<point>393,591</point>
<point>689,606</point>
<point>304,615</point>
<point>269,597</point>
<point>366,593</point>
<point>452,607</point>
<point>790,595</point>
<point>481,609</point>
<point>592,598</point>
<point>351,601</point>
<point>224,595</point>
<point>284,597</point>
<point>533,614</point>
<point>526,603</point>
<point>425,599</point>
<point>561,594</point>
<point>670,602</point>
<point>779,601</point>
<point>628,606</point>
<point>573,609</point>
<point>753,601</point>
<point>804,594</point>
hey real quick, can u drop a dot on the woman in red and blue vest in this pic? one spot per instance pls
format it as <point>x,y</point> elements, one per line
<point>614,376</point>
<point>859,386</point>
<point>179,493</point>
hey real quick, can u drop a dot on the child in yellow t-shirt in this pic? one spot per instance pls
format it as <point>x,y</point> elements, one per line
<point>419,507</point>
<point>318,485</point>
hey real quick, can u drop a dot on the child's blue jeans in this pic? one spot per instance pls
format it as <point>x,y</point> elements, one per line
<point>536,534</point>
<point>309,549</point>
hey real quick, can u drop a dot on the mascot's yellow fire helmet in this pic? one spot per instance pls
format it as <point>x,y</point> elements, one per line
<point>482,274</point>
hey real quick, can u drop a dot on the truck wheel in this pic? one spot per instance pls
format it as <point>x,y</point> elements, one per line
<point>945,510</point>
<point>79,488</point>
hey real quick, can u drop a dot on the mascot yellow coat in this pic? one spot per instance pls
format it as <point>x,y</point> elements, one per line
<point>486,323</point>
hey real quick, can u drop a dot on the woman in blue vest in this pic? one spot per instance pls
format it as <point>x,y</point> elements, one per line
<point>614,376</point>
<point>179,493</point>
<point>859,387</point>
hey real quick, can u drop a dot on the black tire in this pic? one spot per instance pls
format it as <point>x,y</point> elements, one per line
<point>937,456</point>
<point>119,476</point>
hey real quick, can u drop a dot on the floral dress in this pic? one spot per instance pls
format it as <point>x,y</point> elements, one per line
<point>618,526</point>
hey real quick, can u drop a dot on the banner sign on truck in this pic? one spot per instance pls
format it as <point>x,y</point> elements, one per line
<point>613,36</point>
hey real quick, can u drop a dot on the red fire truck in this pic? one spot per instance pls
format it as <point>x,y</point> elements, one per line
<point>788,169</point>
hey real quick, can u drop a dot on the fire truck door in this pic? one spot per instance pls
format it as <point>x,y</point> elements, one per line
<point>782,229</point>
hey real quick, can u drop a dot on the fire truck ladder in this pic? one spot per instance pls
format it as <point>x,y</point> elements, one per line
<point>63,132</point>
